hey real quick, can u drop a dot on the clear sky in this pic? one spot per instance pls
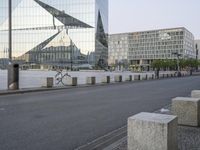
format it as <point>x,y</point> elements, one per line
<point>140,15</point>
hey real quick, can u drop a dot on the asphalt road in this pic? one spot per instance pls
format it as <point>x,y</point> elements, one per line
<point>66,119</point>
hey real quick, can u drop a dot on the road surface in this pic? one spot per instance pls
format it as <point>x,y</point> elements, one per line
<point>66,119</point>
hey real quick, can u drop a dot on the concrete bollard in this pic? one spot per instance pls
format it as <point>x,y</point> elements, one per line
<point>153,77</point>
<point>73,81</point>
<point>91,80</point>
<point>137,77</point>
<point>195,94</point>
<point>118,78</point>
<point>150,131</point>
<point>146,77</point>
<point>149,77</point>
<point>48,82</point>
<point>164,75</point>
<point>143,77</point>
<point>187,110</point>
<point>106,79</point>
<point>129,78</point>
<point>161,76</point>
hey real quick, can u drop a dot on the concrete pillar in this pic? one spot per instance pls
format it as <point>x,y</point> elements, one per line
<point>118,78</point>
<point>195,94</point>
<point>106,79</point>
<point>150,131</point>
<point>187,110</point>
<point>13,76</point>
<point>129,78</point>
<point>72,81</point>
<point>91,80</point>
<point>48,82</point>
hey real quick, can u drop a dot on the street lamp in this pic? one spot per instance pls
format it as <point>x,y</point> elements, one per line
<point>71,55</point>
<point>10,29</point>
<point>13,69</point>
<point>197,55</point>
<point>178,63</point>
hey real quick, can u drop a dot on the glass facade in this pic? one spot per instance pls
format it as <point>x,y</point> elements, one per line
<point>56,32</point>
<point>143,47</point>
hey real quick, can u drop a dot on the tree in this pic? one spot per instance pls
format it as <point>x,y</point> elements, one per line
<point>157,64</point>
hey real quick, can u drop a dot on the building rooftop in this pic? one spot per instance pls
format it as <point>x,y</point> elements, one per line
<point>151,30</point>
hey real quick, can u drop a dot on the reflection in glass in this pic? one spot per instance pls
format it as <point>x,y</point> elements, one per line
<point>51,32</point>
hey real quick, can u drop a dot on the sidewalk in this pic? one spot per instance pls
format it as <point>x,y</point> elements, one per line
<point>188,137</point>
<point>43,89</point>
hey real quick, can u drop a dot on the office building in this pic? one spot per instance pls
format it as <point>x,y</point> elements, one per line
<point>197,48</point>
<point>141,48</point>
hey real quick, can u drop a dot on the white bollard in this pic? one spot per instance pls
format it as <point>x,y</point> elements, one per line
<point>161,76</point>
<point>137,77</point>
<point>150,131</point>
<point>143,77</point>
<point>72,81</point>
<point>118,78</point>
<point>153,76</point>
<point>106,79</point>
<point>187,110</point>
<point>48,82</point>
<point>129,78</point>
<point>91,80</point>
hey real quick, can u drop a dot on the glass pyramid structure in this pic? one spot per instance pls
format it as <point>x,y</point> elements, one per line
<point>54,32</point>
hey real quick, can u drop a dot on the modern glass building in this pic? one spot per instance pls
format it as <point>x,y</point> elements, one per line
<point>56,32</point>
<point>141,48</point>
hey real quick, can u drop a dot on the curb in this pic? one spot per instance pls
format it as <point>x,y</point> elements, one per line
<point>22,91</point>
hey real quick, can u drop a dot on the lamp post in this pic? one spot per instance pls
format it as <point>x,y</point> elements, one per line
<point>71,55</point>
<point>13,69</point>
<point>197,55</point>
<point>178,63</point>
<point>10,29</point>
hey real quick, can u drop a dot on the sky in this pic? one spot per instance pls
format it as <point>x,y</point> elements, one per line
<point>141,15</point>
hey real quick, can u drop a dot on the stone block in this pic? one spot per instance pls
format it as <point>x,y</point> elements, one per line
<point>129,78</point>
<point>150,131</point>
<point>72,81</point>
<point>187,110</point>
<point>106,79</point>
<point>118,78</point>
<point>91,80</point>
<point>48,82</point>
<point>195,94</point>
